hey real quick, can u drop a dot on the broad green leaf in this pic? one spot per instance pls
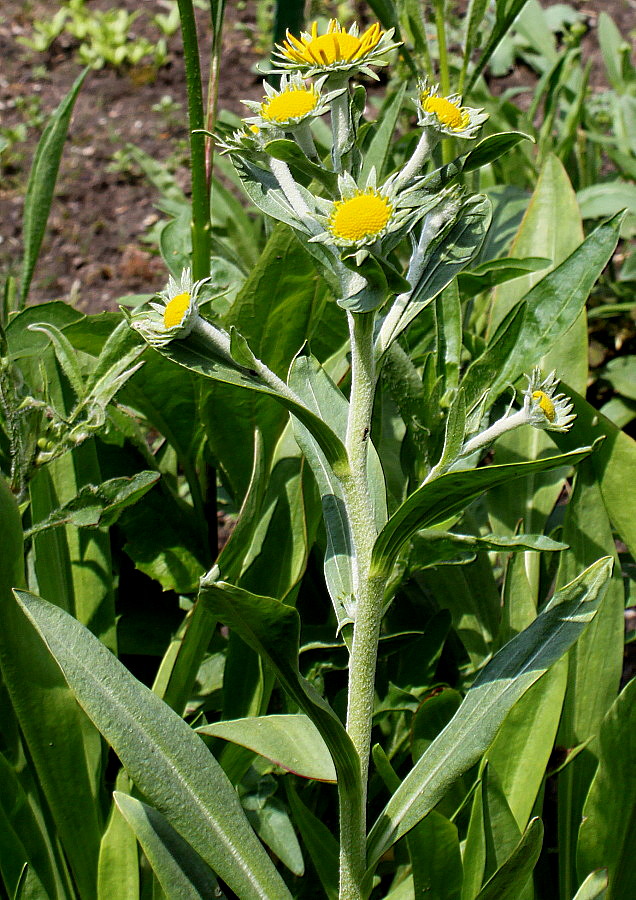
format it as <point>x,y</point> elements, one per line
<point>118,869</point>
<point>487,150</point>
<point>492,835</point>
<point>164,758</point>
<point>41,184</point>
<point>197,358</point>
<point>615,456</point>
<point>440,499</point>
<point>23,342</point>
<point>291,742</point>
<point>433,845</point>
<point>319,841</point>
<point>498,687</point>
<point>521,751</point>
<point>493,272</point>
<point>448,327</point>
<point>272,824</point>
<point>554,303</point>
<point>100,504</point>
<point>272,629</point>
<point>23,840</point>
<point>181,872</point>
<point>509,880</point>
<point>607,837</point>
<point>594,887</point>
<point>48,714</point>
<point>595,662</point>
<point>65,355</point>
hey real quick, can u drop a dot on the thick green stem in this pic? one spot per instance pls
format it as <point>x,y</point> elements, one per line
<point>369,593</point>
<point>196,117</point>
<point>340,119</point>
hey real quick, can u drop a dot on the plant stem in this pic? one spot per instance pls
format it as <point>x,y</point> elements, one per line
<point>340,119</point>
<point>444,71</point>
<point>369,593</point>
<point>196,117</point>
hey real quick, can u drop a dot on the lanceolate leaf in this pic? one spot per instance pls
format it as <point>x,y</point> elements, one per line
<point>272,629</point>
<point>167,761</point>
<point>201,361</point>
<point>509,880</point>
<point>450,493</point>
<point>607,837</point>
<point>501,683</point>
<point>181,872</point>
<point>291,742</point>
<point>42,178</point>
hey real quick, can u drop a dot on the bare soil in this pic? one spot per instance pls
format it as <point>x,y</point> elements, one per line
<point>94,250</point>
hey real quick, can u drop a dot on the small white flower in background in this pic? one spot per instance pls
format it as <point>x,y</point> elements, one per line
<point>446,115</point>
<point>545,408</point>
<point>177,314</point>
<point>338,50</point>
<point>292,104</point>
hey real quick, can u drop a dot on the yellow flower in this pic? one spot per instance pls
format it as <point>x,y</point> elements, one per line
<point>365,215</point>
<point>446,115</point>
<point>546,404</point>
<point>176,309</point>
<point>292,104</point>
<point>543,407</point>
<point>175,317</point>
<point>338,49</point>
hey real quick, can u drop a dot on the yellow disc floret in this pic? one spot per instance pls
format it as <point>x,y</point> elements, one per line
<point>334,47</point>
<point>449,114</point>
<point>362,216</point>
<point>292,104</point>
<point>175,310</point>
<point>546,404</point>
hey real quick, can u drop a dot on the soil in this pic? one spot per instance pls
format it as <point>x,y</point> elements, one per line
<point>94,251</point>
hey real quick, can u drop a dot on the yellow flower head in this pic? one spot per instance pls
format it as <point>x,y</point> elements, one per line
<point>546,404</point>
<point>176,309</point>
<point>363,216</point>
<point>292,104</point>
<point>338,49</point>
<point>544,408</point>
<point>446,115</point>
<point>366,214</point>
<point>175,316</point>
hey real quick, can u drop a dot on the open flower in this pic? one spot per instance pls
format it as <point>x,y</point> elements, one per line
<point>293,103</point>
<point>177,314</point>
<point>365,215</point>
<point>446,115</point>
<point>544,407</point>
<point>336,51</point>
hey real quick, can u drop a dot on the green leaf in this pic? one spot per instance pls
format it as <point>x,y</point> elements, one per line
<point>614,456</point>
<point>41,184</point>
<point>198,359</point>
<point>291,742</point>
<point>509,880</point>
<point>595,662</point>
<point>272,629</point>
<point>607,837</point>
<point>181,872</point>
<point>594,887</point>
<point>118,869</point>
<point>65,355</point>
<point>66,769</point>
<point>321,845</point>
<point>554,304</point>
<point>99,504</point>
<point>498,687</point>
<point>288,151</point>
<point>377,153</point>
<point>506,11</point>
<point>447,495</point>
<point>165,759</point>
<point>431,546</point>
